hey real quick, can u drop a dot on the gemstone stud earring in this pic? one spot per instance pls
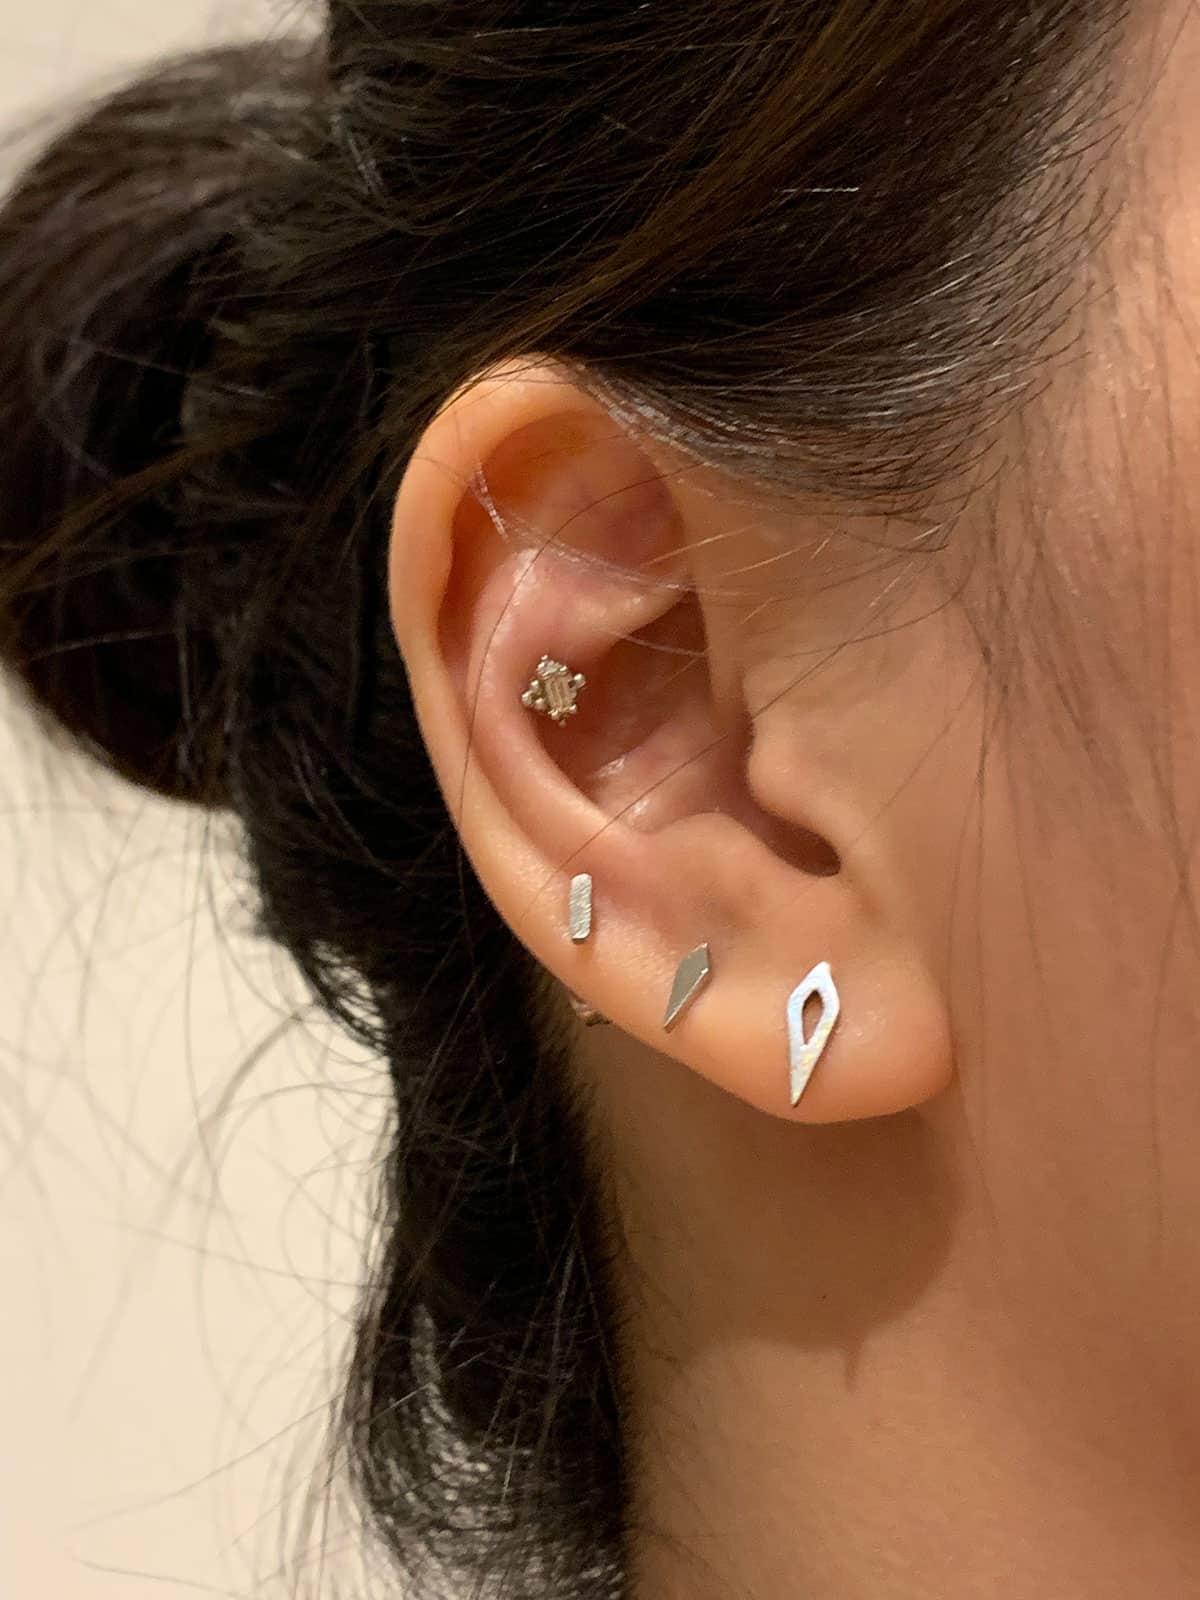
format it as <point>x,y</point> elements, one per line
<point>554,690</point>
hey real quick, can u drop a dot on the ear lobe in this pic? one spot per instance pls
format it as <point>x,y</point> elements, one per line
<point>530,524</point>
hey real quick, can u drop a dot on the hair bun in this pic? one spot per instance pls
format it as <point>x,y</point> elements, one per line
<point>115,249</point>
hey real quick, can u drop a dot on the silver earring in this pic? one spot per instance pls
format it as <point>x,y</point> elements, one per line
<point>553,690</point>
<point>580,911</point>
<point>804,1053</point>
<point>588,1015</point>
<point>693,973</point>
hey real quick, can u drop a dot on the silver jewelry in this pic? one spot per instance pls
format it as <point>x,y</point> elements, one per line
<point>588,1015</point>
<point>553,690</point>
<point>805,1053</point>
<point>694,972</point>
<point>581,907</point>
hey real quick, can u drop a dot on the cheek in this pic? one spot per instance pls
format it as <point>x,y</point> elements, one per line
<point>1136,475</point>
<point>1076,958</point>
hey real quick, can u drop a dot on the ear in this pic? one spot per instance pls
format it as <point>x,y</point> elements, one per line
<point>530,523</point>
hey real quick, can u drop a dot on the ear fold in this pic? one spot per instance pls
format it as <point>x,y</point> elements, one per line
<point>530,525</point>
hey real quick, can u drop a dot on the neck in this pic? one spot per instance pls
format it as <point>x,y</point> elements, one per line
<point>848,1380</point>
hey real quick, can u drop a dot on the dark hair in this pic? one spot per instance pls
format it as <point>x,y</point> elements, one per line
<point>824,244</point>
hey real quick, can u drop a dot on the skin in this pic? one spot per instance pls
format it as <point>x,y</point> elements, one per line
<point>932,1331</point>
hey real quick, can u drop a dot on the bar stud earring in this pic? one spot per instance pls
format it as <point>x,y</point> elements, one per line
<point>804,1053</point>
<point>580,910</point>
<point>554,690</point>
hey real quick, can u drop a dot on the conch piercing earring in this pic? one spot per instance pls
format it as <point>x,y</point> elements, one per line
<point>553,690</point>
<point>694,972</point>
<point>804,1053</point>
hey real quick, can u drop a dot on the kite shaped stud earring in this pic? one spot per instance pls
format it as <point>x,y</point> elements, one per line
<point>805,1052</point>
<point>693,973</point>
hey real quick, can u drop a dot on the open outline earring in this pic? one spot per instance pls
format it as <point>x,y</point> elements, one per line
<point>804,1053</point>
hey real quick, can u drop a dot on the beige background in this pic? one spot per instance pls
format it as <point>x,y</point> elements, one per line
<point>182,1163</point>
